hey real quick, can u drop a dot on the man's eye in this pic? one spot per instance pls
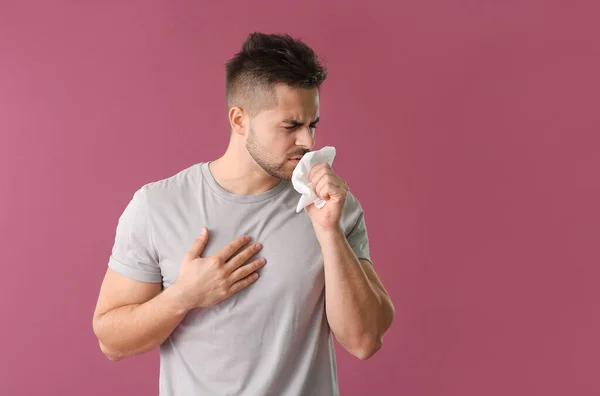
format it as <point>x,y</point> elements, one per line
<point>291,128</point>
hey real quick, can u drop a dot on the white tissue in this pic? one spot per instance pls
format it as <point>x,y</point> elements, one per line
<point>302,171</point>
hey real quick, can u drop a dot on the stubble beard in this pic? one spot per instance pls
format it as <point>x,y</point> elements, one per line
<point>276,170</point>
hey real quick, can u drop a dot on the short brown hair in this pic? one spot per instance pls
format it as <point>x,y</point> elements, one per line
<point>266,60</point>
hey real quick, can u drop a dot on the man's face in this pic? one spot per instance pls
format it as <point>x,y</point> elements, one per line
<point>285,131</point>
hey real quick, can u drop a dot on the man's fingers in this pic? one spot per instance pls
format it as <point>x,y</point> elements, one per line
<point>319,186</point>
<point>247,270</point>
<point>242,257</point>
<point>232,247</point>
<point>246,275</point>
<point>321,167</point>
<point>317,175</point>
<point>198,245</point>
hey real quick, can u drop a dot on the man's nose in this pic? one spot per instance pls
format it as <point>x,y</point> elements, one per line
<point>305,138</point>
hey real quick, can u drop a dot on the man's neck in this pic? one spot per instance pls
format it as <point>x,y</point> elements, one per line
<point>241,177</point>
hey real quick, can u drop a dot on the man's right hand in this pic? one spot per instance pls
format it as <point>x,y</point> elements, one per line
<point>203,282</point>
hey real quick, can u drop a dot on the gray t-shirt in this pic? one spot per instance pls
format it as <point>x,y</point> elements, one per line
<point>271,338</point>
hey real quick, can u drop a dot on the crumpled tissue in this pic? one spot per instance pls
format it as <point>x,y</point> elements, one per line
<point>302,171</point>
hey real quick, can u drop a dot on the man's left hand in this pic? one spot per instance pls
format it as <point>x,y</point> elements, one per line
<point>331,188</point>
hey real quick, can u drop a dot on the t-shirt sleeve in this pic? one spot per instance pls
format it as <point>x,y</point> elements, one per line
<point>357,236</point>
<point>133,253</point>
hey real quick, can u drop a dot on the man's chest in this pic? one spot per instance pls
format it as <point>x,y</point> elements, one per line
<point>294,260</point>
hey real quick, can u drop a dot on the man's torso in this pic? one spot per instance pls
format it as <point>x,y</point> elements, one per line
<point>271,338</point>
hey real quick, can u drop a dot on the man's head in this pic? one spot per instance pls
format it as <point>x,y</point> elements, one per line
<point>273,100</point>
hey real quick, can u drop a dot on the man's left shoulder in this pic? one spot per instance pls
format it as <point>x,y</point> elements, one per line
<point>352,203</point>
<point>352,213</point>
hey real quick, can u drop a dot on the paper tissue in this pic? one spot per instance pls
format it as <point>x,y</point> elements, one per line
<point>302,171</point>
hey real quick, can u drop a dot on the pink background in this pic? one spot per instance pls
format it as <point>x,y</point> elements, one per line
<point>468,129</point>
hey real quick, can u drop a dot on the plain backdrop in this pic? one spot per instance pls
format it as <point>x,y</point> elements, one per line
<point>469,131</point>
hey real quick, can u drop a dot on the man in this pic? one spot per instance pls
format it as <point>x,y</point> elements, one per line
<point>188,272</point>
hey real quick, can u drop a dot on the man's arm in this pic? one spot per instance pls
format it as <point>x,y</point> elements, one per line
<point>134,317</point>
<point>358,307</point>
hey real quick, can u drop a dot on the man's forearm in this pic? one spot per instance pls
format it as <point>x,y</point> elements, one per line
<point>358,311</point>
<point>139,328</point>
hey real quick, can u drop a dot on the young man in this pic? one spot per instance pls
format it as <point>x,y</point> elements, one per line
<point>188,272</point>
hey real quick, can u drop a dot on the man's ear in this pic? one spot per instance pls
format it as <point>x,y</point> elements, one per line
<point>237,120</point>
